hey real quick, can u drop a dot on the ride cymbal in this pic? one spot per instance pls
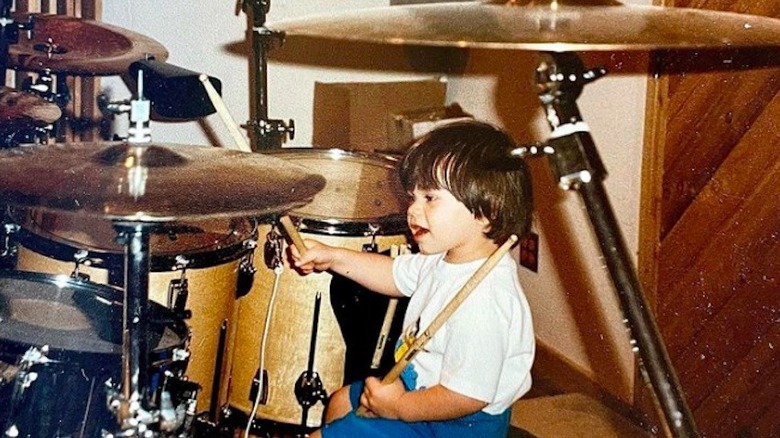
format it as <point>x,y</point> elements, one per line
<point>71,45</point>
<point>152,182</point>
<point>19,106</point>
<point>542,25</point>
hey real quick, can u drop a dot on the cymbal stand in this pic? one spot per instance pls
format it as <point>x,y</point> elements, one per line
<point>9,34</point>
<point>266,133</point>
<point>573,157</point>
<point>132,404</point>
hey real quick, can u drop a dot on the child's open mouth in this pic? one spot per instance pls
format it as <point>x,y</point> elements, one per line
<point>418,232</point>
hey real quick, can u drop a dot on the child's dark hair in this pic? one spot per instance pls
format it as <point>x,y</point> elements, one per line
<point>470,160</point>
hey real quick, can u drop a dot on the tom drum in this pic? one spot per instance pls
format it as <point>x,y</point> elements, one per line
<point>60,343</point>
<point>196,271</point>
<point>306,348</point>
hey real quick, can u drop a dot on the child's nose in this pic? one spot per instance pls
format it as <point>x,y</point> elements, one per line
<point>414,208</point>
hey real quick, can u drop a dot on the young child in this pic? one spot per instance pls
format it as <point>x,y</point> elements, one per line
<point>465,202</point>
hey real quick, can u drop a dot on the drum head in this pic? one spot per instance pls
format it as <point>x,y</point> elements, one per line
<point>362,195</point>
<point>71,316</point>
<point>203,243</point>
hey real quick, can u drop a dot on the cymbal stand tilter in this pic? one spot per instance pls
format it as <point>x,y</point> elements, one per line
<point>576,164</point>
<point>266,133</point>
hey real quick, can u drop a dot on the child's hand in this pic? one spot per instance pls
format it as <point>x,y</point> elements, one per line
<point>382,400</point>
<point>318,257</point>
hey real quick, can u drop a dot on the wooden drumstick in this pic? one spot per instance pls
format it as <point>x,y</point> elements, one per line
<point>222,110</point>
<point>445,313</point>
<point>291,231</point>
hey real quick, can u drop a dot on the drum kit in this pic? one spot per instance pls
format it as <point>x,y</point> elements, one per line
<point>162,315</point>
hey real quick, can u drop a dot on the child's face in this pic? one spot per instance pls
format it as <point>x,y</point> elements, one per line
<point>441,223</point>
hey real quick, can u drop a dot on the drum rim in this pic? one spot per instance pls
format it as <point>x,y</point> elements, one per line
<point>177,325</point>
<point>391,224</point>
<point>100,258</point>
<point>390,161</point>
<point>381,226</point>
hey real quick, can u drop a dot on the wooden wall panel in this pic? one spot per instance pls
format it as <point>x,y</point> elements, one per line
<point>712,229</point>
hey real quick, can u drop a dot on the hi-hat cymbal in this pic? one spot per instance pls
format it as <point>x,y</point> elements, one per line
<point>153,182</point>
<point>75,46</point>
<point>19,106</point>
<point>542,25</point>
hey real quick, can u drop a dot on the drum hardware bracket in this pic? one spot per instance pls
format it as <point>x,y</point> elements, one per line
<point>256,386</point>
<point>309,388</point>
<point>178,292</point>
<point>267,133</point>
<point>273,248</point>
<point>7,249</point>
<point>49,88</point>
<point>81,257</point>
<point>136,421</point>
<point>372,247</point>
<point>179,289</point>
<point>560,78</point>
<point>246,269</point>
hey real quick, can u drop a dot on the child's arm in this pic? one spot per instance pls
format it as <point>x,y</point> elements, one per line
<point>372,271</point>
<point>436,403</point>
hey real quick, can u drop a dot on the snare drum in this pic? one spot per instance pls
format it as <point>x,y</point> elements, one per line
<point>361,205</point>
<point>202,259</point>
<point>63,393</point>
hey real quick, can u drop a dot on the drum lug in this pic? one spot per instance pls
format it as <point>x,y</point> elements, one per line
<point>82,258</point>
<point>372,247</point>
<point>7,248</point>
<point>246,273</point>
<point>178,292</point>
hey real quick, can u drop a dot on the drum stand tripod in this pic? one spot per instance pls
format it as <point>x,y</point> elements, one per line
<point>573,157</point>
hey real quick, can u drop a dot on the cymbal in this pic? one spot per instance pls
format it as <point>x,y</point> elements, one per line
<point>152,182</point>
<point>19,106</point>
<point>75,46</point>
<point>542,25</point>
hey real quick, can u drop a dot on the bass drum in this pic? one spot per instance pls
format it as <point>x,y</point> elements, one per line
<point>361,205</point>
<point>212,252</point>
<point>60,342</point>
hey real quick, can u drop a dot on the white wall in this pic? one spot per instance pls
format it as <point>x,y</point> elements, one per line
<point>575,309</point>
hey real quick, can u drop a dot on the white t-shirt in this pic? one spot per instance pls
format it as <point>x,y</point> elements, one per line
<point>486,348</point>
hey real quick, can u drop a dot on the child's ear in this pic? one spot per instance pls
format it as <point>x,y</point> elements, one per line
<point>485,223</point>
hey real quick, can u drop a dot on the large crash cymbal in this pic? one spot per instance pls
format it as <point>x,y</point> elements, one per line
<point>19,106</point>
<point>76,46</point>
<point>542,25</point>
<point>153,182</point>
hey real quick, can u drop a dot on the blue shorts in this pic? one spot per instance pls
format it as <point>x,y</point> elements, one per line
<point>479,424</point>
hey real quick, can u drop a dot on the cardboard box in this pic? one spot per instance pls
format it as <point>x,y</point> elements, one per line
<point>360,115</point>
<point>404,127</point>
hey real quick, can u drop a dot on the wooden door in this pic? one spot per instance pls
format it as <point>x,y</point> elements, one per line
<point>710,227</point>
